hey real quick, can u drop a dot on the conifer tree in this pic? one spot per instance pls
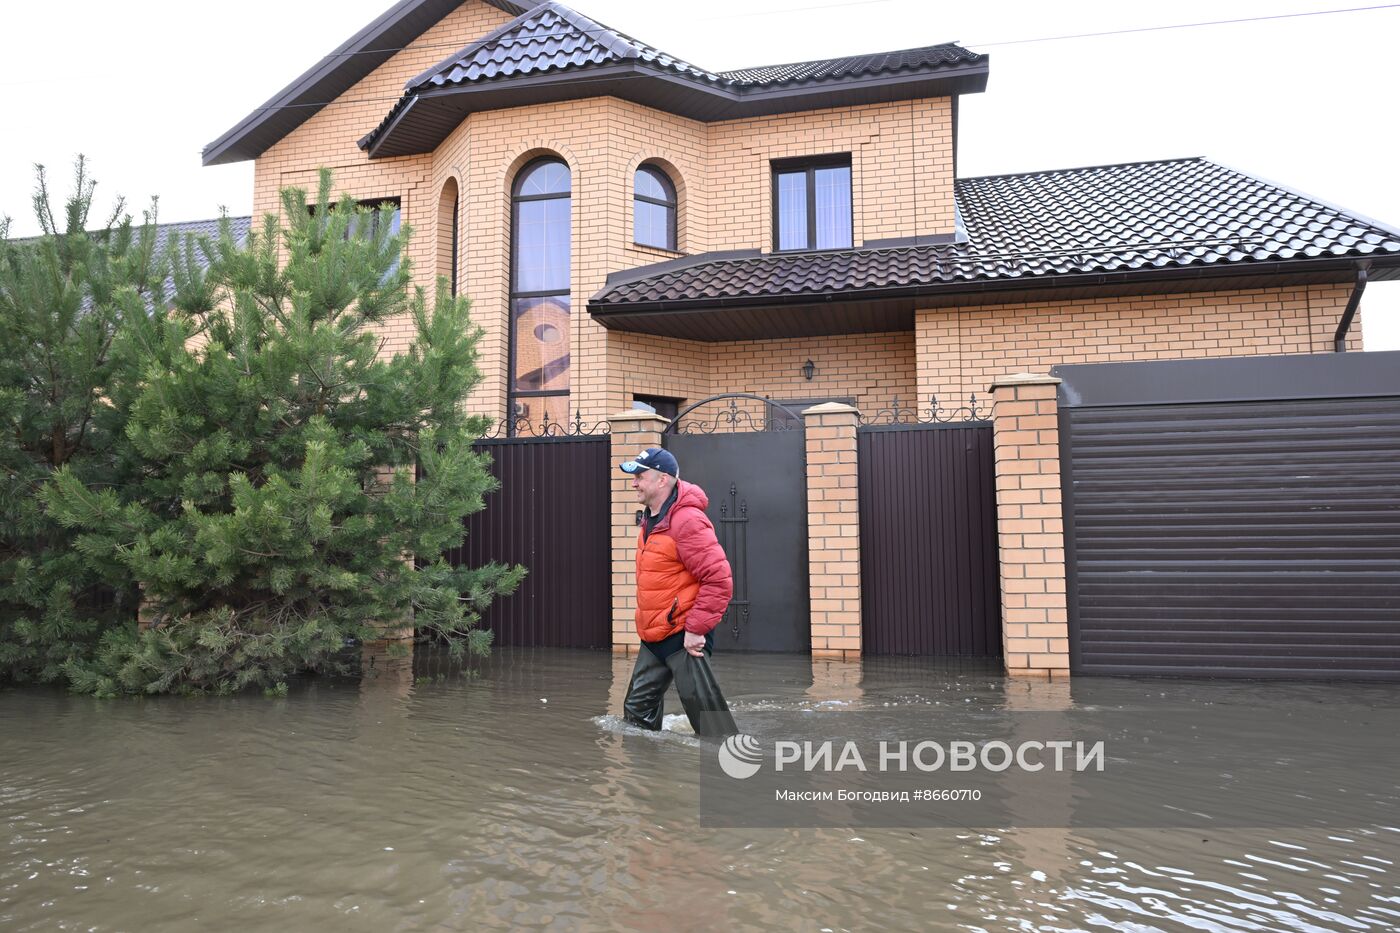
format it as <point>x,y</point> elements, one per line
<point>275,516</point>
<point>64,297</point>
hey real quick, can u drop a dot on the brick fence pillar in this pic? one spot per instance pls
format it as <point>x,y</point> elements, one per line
<point>1030,527</point>
<point>632,433</point>
<point>833,530</point>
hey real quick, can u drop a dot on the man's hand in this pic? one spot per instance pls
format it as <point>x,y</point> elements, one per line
<point>695,644</point>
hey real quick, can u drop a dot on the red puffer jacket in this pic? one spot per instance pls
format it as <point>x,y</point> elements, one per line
<point>683,577</point>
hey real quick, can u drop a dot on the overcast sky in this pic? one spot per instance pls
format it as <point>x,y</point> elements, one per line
<point>142,87</point>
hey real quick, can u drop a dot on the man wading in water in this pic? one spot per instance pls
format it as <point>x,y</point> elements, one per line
<point>683,585</point>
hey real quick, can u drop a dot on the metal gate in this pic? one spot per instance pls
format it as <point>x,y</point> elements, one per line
<point>928,539</point>
<point>551,515</point>
<point>1234,517</point>
<point>753,468</point>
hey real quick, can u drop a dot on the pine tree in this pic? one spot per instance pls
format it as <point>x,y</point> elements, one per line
<point>275,516</point>
<point>64,297</point>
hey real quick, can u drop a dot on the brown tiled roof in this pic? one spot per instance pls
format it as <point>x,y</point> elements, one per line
<point>176,234</point>
<point>856,66</point>
<point>514,64</point>
<point>553,37</point>
<point>550,37</point>
<point>1182,216</point>
<point>334,74</point>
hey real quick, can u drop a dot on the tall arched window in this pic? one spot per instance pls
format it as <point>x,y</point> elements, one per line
<point>653,208</point>
<point>541,208</point>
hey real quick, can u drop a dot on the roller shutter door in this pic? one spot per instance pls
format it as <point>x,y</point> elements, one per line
<point>1238,538</point>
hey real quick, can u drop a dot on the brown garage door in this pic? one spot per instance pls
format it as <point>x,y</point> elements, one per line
<point>1235,517</point>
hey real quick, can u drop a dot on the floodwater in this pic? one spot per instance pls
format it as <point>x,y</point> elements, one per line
<point>507,796</point>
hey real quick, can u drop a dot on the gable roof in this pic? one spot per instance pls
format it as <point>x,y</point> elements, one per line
<point>166,234</point>
<point>550,37</point>
<point>553,53</point>
<point>176,233</point>
<point>335,74</point>
<point>1144,226</point>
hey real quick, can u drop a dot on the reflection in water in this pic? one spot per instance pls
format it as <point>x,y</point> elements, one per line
<point>428,797</point>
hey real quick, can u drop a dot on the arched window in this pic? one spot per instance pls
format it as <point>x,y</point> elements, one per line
<point>653,209</point>
<point>449,220</point>
<point>541,209</point>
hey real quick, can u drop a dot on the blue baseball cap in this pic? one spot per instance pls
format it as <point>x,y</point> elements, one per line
<point>653,458</point>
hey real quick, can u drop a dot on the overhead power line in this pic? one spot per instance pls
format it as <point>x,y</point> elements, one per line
<point>1213,22</point>
<point>1057,38</point>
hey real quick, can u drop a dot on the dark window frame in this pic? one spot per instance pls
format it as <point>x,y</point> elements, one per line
<point>777,416</point>
<point>672,206</point>
<point>516,199</point>
<point>456,219</point>
<point>374,204</point>
<point>809,165</point>
<point>664,405</point>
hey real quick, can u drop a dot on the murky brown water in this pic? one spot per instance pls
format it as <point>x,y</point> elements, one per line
<point>471,803</point>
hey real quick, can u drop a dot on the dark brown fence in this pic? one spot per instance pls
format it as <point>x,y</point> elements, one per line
<point>928,546</point>
<point>550,515</point>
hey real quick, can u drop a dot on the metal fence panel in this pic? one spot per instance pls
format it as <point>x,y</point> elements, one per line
<point>929,573</point>
<point>551,515</point>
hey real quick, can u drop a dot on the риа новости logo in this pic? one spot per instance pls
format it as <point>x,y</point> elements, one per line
<point>740,755</point>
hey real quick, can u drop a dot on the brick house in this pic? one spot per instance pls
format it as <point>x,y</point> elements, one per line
<point>637,233</point>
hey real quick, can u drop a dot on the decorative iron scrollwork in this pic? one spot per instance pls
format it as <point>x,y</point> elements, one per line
<point>522,426</point>
<point>732,418</point>
<point>733,537</point>
<point>933,414</point>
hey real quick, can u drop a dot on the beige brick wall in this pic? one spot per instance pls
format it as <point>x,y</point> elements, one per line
<point>962,350</point>
<point>631,432</point>
<point>1030,527</point>
<point>901,168</point>
<point>329,140</point>
<point>873,370</point>
<point>603,141</point>
<point>645,365</point>
<point>902,185</point>
<point>833,531</point>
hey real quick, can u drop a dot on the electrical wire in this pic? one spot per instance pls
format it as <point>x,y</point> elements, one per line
<point>1059,38</point>
<point>1213,22</point>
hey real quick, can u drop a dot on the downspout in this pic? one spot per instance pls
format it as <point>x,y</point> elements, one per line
<point>1339,342</point>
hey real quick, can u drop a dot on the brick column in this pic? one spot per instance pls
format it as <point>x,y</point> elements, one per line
<point>1030,527</point>
<point>833,530</point>
<point>632,433</point>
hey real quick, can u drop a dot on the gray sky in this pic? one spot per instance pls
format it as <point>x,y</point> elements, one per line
<point>141,87</point>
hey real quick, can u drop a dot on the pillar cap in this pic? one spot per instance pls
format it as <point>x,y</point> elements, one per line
<point>1024,379</point>
<point>831,408</point>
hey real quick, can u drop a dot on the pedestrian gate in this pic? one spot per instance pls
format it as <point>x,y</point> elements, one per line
<point>753,468</point>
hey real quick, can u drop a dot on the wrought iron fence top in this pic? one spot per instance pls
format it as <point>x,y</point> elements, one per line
<point>935,413</point>
<point>732,417</point>
<point>523,427</point>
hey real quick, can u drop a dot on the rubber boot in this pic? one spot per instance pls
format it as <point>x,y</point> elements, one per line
<point>650,678</point>
<point>700,695</point>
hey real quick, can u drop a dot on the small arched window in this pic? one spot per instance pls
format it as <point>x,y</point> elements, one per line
<point>653,209</point>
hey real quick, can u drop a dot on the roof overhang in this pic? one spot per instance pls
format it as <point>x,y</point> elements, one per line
<point>335,74</point>
<point>867,311</point>
<point>424,118</point>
